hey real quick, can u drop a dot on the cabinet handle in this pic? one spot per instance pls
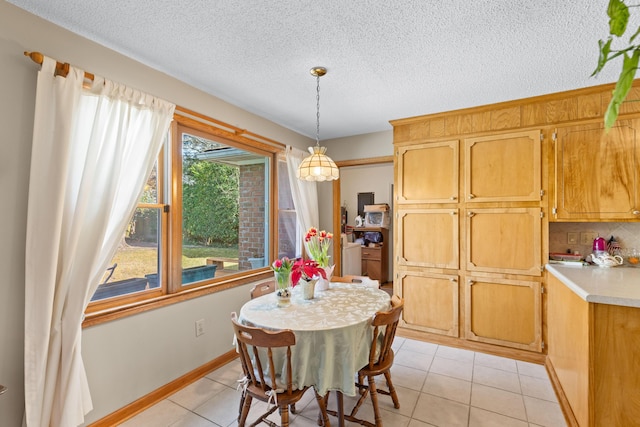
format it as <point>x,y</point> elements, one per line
<point>471,196</point>
<point>471,282</point>
<point>470,214</point>
<point>453,279</point>
<point>454,213</point>
<point>636,212</point>
<point>453,198</point>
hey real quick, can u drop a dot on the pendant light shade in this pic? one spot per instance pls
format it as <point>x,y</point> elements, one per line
<point>318,166</point>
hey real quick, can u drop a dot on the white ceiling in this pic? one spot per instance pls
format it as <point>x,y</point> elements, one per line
<point>386,59</point>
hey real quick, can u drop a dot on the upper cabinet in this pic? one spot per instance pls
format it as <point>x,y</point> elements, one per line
<point>503,167</point>
<point>428,173</point>
<point>597,174</point>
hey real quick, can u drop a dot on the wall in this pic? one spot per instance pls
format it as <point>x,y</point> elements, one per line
<point>378,144</point>
<point>153,347</point>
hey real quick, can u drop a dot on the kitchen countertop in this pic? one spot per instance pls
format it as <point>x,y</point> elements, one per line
<point>615,286</point>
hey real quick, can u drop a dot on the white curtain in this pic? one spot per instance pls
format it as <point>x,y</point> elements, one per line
<point>92,152</point>
<point>304,193</point>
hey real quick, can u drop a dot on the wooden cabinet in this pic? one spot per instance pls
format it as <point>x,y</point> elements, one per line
<point>491,237</point>
<point>503,167</point>
<point>504,312</point>
<point>593,356</point>
<point>428,173</point>
<point>374,258</point>
<point>504,240</point>
<point>597,172</point>
<point>428,238</point>
<point>431,302</point>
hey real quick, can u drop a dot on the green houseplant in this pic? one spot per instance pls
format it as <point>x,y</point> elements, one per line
<point>618,13</point>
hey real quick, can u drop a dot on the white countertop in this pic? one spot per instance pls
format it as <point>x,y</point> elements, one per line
<point>615,286</point>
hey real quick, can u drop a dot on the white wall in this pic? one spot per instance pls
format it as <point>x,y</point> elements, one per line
<point>378,144</point>
<point>127,358</point>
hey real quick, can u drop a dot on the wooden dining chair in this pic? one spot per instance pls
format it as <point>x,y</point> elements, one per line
<point>262,379</point>
<point>263,289</point>
<point>381,357</point>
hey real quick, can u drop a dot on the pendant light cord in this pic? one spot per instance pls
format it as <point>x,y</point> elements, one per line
<point>318,110</point>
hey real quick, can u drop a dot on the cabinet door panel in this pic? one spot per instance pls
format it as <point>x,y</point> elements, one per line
<point>428,238</point>
<point>568,335</point>
<point>504,312</point>
<point>430,302</point>
<point>503,167</point>
<point>597,172</point>
<point>428,173</point>
<point>504,240</point>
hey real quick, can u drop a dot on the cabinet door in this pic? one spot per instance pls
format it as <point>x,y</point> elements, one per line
<point>428,238</point>
<point>371,263</point>
<point>504,240</point>
<point>597,172</point>
<point>428,173</point>
<point>503,167</point>
<point>430,302</point>
<point>568,335</point>
<point>503,312</point>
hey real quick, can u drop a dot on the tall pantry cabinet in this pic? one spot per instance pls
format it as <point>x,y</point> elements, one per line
<point>469,219</point>
<point>475,190</point>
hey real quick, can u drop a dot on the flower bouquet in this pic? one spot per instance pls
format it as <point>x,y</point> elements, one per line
<point>318,244</point>
<point>306,272</point>
<point>282,272</point>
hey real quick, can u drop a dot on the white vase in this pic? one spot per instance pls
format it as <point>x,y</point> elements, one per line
<point>323,284</point>
<point>308,288</point>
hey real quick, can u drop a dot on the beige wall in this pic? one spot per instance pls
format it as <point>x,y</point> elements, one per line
<point>128,358</point>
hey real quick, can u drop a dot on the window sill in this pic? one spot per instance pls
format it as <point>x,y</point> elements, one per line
<point>109,314</point>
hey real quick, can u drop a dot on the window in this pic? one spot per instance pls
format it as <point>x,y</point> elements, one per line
<point>205,216</point>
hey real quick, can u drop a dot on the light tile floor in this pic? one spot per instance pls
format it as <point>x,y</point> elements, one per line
<point>436,385</point>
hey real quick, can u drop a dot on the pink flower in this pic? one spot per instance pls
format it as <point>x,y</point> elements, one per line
<point>282,265</point>
<point>305,269</point>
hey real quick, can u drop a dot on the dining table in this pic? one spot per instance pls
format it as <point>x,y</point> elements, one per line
<point>333,334</point>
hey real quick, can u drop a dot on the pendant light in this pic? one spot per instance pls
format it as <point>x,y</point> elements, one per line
<point>318,166</point>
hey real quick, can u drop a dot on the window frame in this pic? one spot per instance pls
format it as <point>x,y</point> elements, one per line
<point>171,290</point>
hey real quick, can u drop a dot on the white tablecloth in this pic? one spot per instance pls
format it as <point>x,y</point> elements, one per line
<point>333,332</point>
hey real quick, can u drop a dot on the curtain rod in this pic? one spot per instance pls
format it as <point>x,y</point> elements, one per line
<point>62,69</point>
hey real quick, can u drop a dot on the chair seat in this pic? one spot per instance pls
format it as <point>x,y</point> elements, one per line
<point>378,368</point>
<point>283,397</point>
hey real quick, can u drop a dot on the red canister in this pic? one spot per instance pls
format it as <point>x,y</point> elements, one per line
<point>599,245</point>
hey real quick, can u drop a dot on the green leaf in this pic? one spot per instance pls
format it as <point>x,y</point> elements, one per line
<point>618,17</point>
<point>603,57</point>
<point>623,86</point>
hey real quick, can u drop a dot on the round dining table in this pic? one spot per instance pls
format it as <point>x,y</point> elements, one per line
<point>333,333</point>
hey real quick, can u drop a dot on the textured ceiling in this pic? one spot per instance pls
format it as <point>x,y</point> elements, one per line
<point>387,59</point>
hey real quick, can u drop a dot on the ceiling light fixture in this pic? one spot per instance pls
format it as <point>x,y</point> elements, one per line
<point>318,166</point>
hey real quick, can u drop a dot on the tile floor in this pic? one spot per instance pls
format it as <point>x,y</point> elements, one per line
<point>436,385</point>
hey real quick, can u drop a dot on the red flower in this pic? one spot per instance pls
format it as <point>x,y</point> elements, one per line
<point>305,269</point>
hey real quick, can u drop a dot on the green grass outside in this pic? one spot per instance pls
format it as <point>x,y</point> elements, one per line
<point>136,261</point>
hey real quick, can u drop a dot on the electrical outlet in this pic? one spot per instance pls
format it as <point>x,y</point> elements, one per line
<point>199,327</point>
<point>572,238</point>
<point>587,238</point>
